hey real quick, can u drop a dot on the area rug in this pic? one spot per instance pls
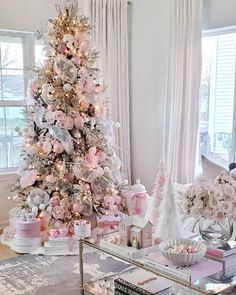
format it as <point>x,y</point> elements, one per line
<point>54,275</point>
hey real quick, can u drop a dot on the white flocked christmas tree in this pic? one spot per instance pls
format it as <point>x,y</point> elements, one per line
<point>168,226</point>
<point>69,165</point>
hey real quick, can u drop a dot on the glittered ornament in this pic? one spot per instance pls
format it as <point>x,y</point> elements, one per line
<point>62,47</point>
<point>51,89</point>
<point>67,87</point>
<point>69,176</point>
<point>77,207</point>
<point>78,121</point>
<point>51,107</point>
<point>58,147</point>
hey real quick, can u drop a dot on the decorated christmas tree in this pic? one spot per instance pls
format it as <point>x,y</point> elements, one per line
<point>69,165</point>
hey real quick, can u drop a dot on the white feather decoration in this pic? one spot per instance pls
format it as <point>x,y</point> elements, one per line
<point>168,226</point>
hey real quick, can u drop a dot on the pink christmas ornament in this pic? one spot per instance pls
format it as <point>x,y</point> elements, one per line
<point>62,47</point>
<point>91,159</point>
<point>64,203</point>
<point>69,123</point>
<point>50,178</point>
<point>76,61</point>
<point>84,46</point>
<point>51,107</point>
<point>78,121</point>
<point>47,147</point>
<point>83,72</point>
<point>58,148</point>
<point>108,201</point>
<point>78,207</point>
<point>69,177</point>
<point>59,115</point>
<point>101,156</point>
<point>86,186</point>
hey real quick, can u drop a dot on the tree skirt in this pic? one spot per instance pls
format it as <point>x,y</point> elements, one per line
<point>36,274</point>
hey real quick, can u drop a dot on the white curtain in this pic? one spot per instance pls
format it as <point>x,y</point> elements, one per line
<point>110,35</point>
<point>182,89</point>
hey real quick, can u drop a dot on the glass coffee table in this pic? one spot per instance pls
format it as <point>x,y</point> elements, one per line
<point>206,285</point>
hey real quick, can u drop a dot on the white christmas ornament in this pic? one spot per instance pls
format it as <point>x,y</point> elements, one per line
<point>37,197</point>
<point>68,38</point>
<point>67,87</point>
<point>35,210</point>
<point>42,206</point>
<point>51,89</point>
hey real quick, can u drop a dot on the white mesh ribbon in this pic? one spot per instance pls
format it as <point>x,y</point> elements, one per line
<point>65,69</point>
<point>64,137</point>
<point>39,117</point>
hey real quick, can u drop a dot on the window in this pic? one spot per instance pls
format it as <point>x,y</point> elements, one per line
<point>18,52</point>
<point>217,96</point>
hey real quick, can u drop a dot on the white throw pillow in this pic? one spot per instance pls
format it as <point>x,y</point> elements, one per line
<point>210,169</point>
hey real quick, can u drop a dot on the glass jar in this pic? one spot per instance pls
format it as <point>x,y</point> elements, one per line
<point>216,232</point>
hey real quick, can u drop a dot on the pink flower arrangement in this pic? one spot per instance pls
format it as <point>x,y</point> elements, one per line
<point>214,199</point>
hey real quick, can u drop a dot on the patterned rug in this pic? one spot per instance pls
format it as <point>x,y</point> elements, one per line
<point>53,275</point>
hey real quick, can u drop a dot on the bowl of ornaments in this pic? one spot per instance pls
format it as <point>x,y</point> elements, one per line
<point>183,252</point>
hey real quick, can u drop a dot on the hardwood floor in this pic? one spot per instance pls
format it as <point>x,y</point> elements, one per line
<point>6,252</point>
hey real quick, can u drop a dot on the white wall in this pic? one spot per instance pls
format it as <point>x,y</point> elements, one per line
<point>219,13</point>
<point>149,47</point>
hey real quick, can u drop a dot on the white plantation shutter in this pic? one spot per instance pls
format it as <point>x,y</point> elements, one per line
<point>222,92</point>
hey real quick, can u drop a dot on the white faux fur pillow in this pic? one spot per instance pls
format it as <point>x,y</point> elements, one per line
<point>210,169</point>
